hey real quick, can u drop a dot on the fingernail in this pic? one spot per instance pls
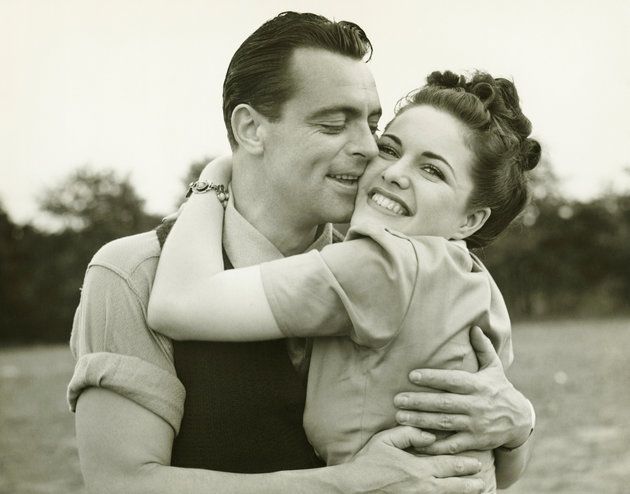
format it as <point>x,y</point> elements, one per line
<point>416,376</point>
<point>403,417</point>
<point>429,436</point>
<point>401,401</point>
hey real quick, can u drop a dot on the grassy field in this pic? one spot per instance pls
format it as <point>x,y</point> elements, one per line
<point>577,373</point>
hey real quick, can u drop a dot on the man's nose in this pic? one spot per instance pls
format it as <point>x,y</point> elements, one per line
<point>364,143</point>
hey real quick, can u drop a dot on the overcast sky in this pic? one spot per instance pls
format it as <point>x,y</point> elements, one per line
<point>136,85</point>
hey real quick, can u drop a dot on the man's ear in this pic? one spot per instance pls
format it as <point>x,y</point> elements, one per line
<point>246,126</point>
<point>473,222</point>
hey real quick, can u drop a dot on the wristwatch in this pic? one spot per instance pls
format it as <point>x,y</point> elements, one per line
<point>201,187</point>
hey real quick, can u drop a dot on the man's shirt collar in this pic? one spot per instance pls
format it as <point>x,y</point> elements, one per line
<point>246,246</point>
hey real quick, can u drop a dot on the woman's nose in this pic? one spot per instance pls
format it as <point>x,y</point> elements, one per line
<point>396,174</point>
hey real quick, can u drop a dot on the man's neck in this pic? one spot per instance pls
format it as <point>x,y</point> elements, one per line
<point>274,222</point>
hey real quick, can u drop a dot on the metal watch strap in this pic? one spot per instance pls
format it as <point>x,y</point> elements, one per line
<point>202,186</point>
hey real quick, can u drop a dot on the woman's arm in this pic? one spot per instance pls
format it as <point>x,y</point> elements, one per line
<point>192,297</point>
<point>307,295</point>
<point>312,294</point>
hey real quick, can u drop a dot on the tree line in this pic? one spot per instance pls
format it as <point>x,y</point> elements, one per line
<point>560,258</point>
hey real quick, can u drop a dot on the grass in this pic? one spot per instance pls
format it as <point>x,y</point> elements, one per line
<point>577,373</point>
<point>37,446</point>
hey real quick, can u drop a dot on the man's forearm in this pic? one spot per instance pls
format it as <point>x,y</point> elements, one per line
<point>158,479</point>
<point>123,447</point>
<point>511,463</point>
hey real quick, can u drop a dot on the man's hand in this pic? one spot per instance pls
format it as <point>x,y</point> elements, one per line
<point>483,409</point>
<point>383,466</point>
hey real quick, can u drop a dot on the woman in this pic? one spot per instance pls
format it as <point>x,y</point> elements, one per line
<point>402,291</point>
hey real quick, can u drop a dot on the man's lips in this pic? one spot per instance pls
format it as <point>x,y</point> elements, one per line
<point>345,179</point>
<point>388,201</point>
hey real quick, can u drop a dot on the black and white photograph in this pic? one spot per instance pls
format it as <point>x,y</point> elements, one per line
<point>314,246</point>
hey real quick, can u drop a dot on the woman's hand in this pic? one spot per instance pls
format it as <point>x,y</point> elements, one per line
<point>483,409</point>
<point>218,171</point>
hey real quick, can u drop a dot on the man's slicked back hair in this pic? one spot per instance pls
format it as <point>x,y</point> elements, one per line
<point>258,74</point>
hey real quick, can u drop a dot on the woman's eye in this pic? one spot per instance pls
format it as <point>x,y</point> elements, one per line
<point>434,170</point>
<point>387,150</point>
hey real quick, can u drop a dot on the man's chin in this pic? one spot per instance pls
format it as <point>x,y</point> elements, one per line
<point>339,210</point>
<point>341,216</point>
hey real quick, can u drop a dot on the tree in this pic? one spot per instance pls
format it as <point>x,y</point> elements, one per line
<point>97,201</point>
<point>42,272</point>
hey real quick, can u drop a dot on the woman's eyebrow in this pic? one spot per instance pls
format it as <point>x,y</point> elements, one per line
<point>393,138</point>
<point>430,154</point>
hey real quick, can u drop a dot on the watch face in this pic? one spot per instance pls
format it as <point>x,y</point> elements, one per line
<point>201,186</point>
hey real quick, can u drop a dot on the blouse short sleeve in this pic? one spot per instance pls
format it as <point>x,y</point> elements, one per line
<point>361,287</point>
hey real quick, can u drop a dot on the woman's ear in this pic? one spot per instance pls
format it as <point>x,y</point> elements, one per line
<point>246,126</point>
<point>473,222</point>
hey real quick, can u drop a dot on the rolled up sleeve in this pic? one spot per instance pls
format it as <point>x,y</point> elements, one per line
<point>146,384</point>
<point>116,350</point>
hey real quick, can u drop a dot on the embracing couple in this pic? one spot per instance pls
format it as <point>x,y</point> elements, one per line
<point>246,348</point>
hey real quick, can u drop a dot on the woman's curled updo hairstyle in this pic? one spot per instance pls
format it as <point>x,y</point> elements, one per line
<point>499,138</point>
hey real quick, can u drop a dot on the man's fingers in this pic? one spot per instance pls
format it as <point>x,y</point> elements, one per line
<point>433,402</point>
<point>407,437</point>
<point>486,354</point>
<point>454,466</point>
<point>460,486</point>
<point>453,381</point>
<point>456,443</point>
<point>438,421</point>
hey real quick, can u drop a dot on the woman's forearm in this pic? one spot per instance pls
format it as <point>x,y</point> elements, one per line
<point>192,297</point>
<point>192,253</point>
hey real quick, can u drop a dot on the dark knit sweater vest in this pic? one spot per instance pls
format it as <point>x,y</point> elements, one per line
<point>244,406</point>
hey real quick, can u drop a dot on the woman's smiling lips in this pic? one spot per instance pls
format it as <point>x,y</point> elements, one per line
<point>387,202</point>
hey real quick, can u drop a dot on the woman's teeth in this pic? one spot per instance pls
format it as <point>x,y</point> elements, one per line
<point>389,204</point>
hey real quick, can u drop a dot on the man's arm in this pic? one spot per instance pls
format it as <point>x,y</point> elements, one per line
<point>125,448</point>
<point>483,409</point>
<point>128,406</point>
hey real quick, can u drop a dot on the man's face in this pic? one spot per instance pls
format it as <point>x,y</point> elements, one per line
<point>316,152</point>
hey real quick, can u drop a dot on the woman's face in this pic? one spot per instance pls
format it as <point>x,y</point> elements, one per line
<point>420,182</point>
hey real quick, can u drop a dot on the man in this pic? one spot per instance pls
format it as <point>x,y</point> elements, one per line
<point>301,108</point>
